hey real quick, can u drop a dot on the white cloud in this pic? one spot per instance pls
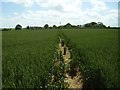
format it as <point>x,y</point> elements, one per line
<point>98,5</point>
<point>40,18</point>
<point>26,3</point>
<point>111,18</point>
<point>61,11</point>
<point>15,13</point>
<point>65,5</point>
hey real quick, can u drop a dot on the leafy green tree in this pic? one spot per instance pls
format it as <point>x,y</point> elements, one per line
<point>54,26</point>
<point>18,27</point>
<point>68,25</point>
<point>87,25</point>
<point>93,23</point>
<point>109,27</point>
<point>46,26</point>
<point>28,27</point>
<point>101,25</point>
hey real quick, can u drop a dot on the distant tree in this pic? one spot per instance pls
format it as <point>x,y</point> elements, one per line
<point>68,25</point>
<point>54,26</point>
<point>6,29</point>
<point>101,25</point>
<point>87,25</point>
<point>18,27</point>
<point>46,26</point>
<point>79,26</point>
<point>50,27</point>
<point>93,23</point>
<point>28,27</point>
<point>60,27</point>
<point>109,27</point>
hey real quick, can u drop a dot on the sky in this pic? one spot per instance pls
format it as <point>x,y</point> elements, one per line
<point>52,12</point>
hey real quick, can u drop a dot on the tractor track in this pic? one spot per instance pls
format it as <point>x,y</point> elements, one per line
<point>71,79</point>
<point>75,81</point>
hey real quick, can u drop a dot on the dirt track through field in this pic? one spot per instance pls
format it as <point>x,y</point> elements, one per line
<point>75,81</point>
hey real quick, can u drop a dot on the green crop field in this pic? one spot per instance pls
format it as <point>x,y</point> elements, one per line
<point>97,53</point>
<point>27,57</point>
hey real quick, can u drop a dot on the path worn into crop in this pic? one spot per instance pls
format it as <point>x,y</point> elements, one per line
<point>75,81</point>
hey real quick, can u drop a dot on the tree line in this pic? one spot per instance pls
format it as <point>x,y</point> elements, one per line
<point>67,26</point>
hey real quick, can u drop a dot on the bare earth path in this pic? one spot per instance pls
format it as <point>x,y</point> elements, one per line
<point>75,81</point>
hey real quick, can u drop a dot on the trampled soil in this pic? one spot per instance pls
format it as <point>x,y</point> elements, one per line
<point>75,81</point>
